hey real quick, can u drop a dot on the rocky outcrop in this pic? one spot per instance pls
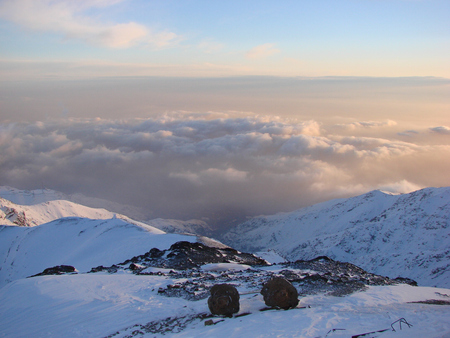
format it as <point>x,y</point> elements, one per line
<point>57,270</point>
<point>186,255</point>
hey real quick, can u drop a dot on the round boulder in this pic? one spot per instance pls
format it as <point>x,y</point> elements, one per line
<point>280,293</point>
<point>224,300</point>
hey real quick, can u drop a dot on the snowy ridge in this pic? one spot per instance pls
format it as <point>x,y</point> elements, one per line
<point>32,215</point>
<point>34,207</point>
<point>81,242</point>
<point>394,235</point>
<point>37,196</point>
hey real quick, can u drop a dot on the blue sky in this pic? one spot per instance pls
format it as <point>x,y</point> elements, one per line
<point>194,38</point>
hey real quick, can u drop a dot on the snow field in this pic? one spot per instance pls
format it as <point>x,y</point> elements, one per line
<point>100,304</point>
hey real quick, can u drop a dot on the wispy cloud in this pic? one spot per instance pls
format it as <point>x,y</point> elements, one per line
<point>68,18</point>
<point>262,51</point>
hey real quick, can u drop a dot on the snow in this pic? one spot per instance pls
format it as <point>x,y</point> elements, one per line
<point>48,211</point>
<point>96,305</point>
<point>392,235</point>
<point>124,304</point>
<point>225,267</point>
<point>271,256</point>
<point>80,242</point>
<point>38,196</point>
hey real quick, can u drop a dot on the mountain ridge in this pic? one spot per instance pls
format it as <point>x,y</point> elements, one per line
<point>407,234</point>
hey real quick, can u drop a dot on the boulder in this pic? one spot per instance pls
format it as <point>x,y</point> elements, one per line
<point>280,293</point>
<point>224,300</point>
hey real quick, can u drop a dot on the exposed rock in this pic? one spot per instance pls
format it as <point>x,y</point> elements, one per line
<point>224,300</point>
<point>319,275</point>
<point>280,293</point>
<point>187,255</point>
<point>57,270</point>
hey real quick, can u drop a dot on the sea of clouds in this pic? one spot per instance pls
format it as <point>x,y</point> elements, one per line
<point>219,166</point>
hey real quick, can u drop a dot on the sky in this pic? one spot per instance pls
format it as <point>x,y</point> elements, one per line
<point>217,110</point>
<point>86,38</point>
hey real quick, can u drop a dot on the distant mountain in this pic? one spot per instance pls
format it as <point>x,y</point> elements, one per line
<point>37,196</point>
<point>193,226</point>
<point>34,207</point>
<point>393,235</point>
<point>32,215</point>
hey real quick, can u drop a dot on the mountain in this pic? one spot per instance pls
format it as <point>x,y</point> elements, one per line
<point>34,207</point>
<point>193,226</point>
<point>80,242</point>
<point>32,215</point>
<point>163,291</point>
<point>393,235</point>
<point>116,277</point>
<point>37,196</point>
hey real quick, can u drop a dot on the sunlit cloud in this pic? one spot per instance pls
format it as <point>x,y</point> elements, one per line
<point>262,51</point>
<point>67,18</point>
<point>186,165</point>
<point>367,124</point>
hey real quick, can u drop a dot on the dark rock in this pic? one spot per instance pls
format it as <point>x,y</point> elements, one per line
<point>110,269</point>
<point>57,270</point>
<point>404,280</point>
<point>135,267</point>
<point>186,255</point>
<point>224,300</point>
<point>280,293</point>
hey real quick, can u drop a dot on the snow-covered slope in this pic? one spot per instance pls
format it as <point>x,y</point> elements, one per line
<point>394,235</point>
<point>193,226</point>
<point>37,196</point>
<point>32,215</point>
<point>126,305</point>
<point>33,207</point>
<point>80,242</point>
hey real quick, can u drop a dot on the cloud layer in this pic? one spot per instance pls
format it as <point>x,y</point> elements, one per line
<point>211,165</point>
<point>67,18</point>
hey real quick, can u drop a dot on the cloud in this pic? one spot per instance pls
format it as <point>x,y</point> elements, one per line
<point>401,187</point>
<point>262,51</point>
<point>216,165</point>
<point>367,124</point>
<point>441,130</point>
<point>69,19</point>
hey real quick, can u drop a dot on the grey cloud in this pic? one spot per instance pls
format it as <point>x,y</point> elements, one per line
<point>441,130</point>
<point>197,165</point>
